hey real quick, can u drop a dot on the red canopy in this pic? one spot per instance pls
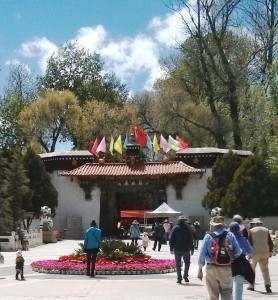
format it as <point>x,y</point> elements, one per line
<point>133,213</point>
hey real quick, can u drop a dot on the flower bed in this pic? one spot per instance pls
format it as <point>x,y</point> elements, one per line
<point>121,266</point>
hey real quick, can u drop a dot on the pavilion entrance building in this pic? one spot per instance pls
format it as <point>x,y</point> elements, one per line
<point>107,191</point>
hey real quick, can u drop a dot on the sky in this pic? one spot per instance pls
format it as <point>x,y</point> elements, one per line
<point>130,35</point>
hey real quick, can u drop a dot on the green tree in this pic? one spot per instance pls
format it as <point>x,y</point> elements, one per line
<point>212,69</point>
<point>249,192</point>
<point>222,174</point>
<point>98,119</point>
<point>75,69</point>
<point>18,187</point>
<point>43,191</point>
<point>48,120</point>
<point>6,221</point>
<point>20,91</point>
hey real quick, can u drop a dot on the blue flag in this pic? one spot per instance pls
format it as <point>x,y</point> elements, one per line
<point>126,141</point>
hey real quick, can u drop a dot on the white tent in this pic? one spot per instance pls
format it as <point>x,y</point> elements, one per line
<point>163,211</point>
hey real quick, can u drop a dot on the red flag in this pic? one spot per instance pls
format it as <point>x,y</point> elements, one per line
<point>141,136</point>
<point>94,148</point>
<point>183,144</point>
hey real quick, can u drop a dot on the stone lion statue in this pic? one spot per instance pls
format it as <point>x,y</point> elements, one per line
<point>46,222</point>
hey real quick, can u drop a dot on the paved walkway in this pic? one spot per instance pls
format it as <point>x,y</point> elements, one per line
<point>137,287</point>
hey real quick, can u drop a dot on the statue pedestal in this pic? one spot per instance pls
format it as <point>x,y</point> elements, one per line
<point>49,236</point>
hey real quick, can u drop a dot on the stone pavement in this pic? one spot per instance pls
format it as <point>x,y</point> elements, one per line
<point>137,287</point>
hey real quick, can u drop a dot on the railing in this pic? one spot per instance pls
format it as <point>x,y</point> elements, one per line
<point>12,242</point>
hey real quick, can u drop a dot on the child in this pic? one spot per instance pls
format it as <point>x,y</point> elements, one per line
<point>19,264</point>
<point>25,243</point>
<point>145,240</point>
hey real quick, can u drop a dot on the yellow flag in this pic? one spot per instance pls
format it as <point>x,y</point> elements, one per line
<point>118,145</point>
<point>155,144</point>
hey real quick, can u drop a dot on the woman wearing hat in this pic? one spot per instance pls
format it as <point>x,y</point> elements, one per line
<point>134,232</point>
<point>241,268</point>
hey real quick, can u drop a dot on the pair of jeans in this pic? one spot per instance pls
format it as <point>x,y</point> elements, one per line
<point>91,263</point>
<point>186,258</point>
<point>134,241</point>
<point>239,280</point>
<point>158,241</point>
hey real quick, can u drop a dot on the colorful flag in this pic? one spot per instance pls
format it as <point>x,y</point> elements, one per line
<point>163,144</point>
<point>94,148</point>
<point>118,145</point>
<point>126,141</point>
<point>102,146</point>
<point>183,144</point>
<point>155,144</point>
<point>111,146</point>
<point>141,136</point>
<point>149,142</point>
<point>175,145</point>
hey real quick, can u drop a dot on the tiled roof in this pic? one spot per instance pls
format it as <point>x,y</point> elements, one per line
<point>125,170</point>
<point>208,150</point>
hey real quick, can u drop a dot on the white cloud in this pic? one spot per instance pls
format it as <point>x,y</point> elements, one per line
<point>128,57</point>
<point>40,48</point>
<point>91,38</point>
<point>17,62</point>
<point>170,30</point>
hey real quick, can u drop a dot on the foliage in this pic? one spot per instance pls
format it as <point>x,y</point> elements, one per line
<point>113,249</point>
<point>6,221</point>
<point>97,119</point>
<point>249,192</point>
<point>43,191</point>
<point>222,174</point>
<point>48,119</point>
<point>18,189</point>
<point>75,69</point>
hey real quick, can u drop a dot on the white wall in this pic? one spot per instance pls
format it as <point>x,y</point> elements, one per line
<point>192,195</point>
<point>72,203</point>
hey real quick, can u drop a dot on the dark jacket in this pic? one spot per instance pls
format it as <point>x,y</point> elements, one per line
<point>181,238</point>
<point>241,266</point>
<point>159,231</point>
<point>19,263</point>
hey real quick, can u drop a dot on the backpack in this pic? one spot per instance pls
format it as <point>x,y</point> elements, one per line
<point>221,250</point>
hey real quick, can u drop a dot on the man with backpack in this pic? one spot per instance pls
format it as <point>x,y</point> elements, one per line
<point>218,249</point>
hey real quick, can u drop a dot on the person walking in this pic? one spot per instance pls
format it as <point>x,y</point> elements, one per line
<point>134,232</point>
<point>181,245</point>
<point>261,241</point>
<point>241,268</point>
<point>218,261</point>
<point>145,240</point>
<point>91,247</point>
<point>19,265</point>
<point>197,234</point>
<point>167,229</point>
<point>243,229</point>
<point>159,232</point>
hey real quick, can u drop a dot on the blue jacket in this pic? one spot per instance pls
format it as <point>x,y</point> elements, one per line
<point>134,231</point>
<point>92,238</point>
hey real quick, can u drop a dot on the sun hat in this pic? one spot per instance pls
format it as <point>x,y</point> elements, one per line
<point>217,221</point>
<point>256,221</point>
<point>18,253</point>
<point>182,219</point>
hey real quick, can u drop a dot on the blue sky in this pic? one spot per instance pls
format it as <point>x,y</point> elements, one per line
<point>130,35</point>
